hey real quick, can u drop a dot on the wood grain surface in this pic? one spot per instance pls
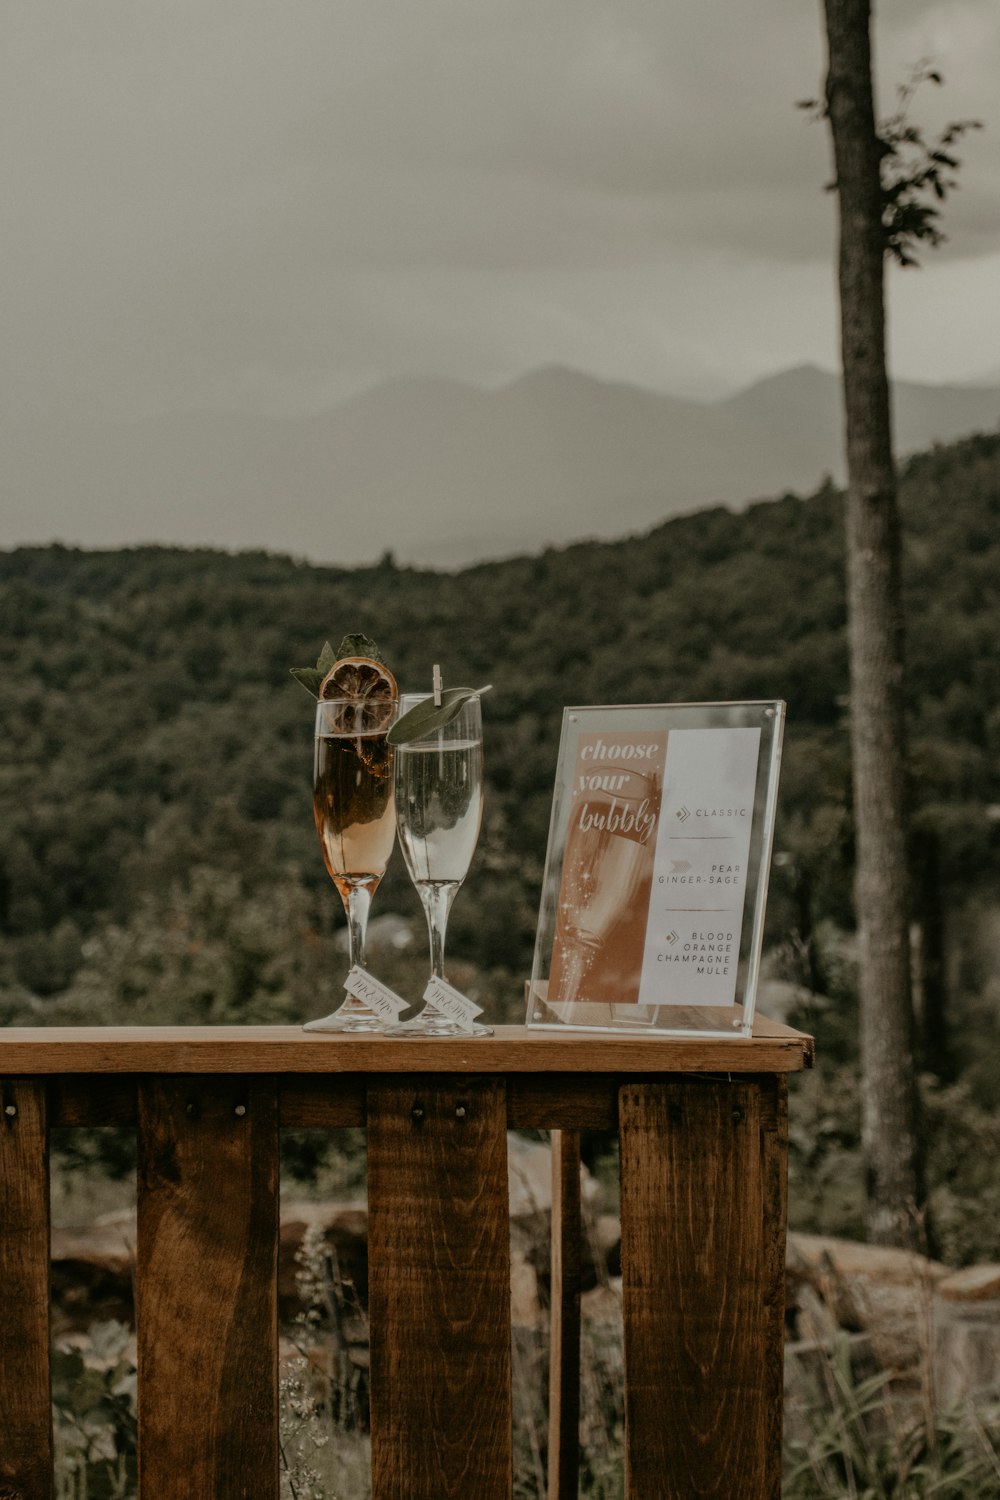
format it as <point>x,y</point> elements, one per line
<point>288,1049</point>
<point>702,1173</point>
<point>25,1401</point>
<point>535,1101</point>
<point>91,1099</point>
<point>564,1319</point>
<point>330,1101</point>
<point>774,1169</point>
<point>703,1134</point>
<point>206,1298</point>
<point>439,1290</point>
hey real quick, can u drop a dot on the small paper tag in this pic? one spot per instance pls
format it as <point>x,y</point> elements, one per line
<point>452,1003</point>
<point>377,996</point>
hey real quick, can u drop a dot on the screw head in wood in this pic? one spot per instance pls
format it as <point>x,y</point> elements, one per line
<point>241,1109</point>
<point>10,1109</point>
<point>417,1113</point>
<point>461,1110</point>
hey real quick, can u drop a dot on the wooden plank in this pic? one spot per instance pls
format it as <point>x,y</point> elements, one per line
<point>701,1228</point>
<point>563,1101</point>
<point>581,1101</point>
<point>79,1099</point>
<point>535,1101</point>
<point>329,1102</point>
<point>206,1289</point>
<point>25,1400</point>
<point>332,1101</point>
<point>439,1290</point>
<point>289,1049</point>
<point>564,1319</point>
<point>774,1170</point>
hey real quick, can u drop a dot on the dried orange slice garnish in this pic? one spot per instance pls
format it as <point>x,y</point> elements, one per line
<point>369,690</point>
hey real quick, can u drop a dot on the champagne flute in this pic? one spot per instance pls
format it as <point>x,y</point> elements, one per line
<point>353,807</point>
<point>439,808</point>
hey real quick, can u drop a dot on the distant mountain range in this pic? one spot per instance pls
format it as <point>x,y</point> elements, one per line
<point>438,472</point>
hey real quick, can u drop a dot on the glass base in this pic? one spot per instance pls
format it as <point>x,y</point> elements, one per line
<point>351,1016</point>
<point>437,1025</point>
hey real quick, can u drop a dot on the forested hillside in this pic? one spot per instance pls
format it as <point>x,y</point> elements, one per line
<point>159,861</point>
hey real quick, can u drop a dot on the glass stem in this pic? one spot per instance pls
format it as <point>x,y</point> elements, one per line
<point>437,896</point>
<point>357,904</point>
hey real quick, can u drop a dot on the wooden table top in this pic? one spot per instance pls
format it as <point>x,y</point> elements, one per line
<point>45,1050</point>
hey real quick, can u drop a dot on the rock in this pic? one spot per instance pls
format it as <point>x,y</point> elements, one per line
<point>602,1305</point>
<point>966,1352</point>
<point>606,1241</point>
<point>91,1273</point>
<point>966,1329</point>
<point>93,1264</point>
<point>526,1309</point>
<point>820,1254</point>
<point>529,1178</point>
<point>344,1226</point>
<point>110,1239</point>
<point>971,1284</point>
<point>871,1289</point>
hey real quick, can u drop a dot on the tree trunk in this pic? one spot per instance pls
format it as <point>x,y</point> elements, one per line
<point>928,967</point>
<point>890,1130</point>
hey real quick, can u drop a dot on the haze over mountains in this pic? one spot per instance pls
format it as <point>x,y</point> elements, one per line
<point>442,473</point>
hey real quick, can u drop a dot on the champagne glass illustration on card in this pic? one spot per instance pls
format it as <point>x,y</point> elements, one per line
<point>439,808</point>
<point>607,860</point>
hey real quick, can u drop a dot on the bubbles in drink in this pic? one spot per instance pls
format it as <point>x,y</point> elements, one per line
<point>439,796</point>
<point>353,804</point>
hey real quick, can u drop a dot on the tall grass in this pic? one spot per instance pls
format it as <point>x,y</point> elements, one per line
<point>861,1439</point>
<point>851,1435</point>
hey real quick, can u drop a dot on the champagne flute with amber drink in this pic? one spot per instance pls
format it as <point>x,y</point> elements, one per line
<point>354,806</point>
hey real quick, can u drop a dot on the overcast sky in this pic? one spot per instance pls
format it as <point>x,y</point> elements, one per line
<point>266,206</point>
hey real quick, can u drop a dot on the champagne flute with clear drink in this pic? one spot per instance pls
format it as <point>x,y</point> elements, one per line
<point>439,809</point>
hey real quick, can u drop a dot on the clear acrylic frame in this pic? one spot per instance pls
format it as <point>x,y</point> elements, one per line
<point>655,886</point>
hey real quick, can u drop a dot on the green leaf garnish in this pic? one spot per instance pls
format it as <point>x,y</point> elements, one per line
<point>357,645</point>
<point>326,658</point>
<point>426,717</point>
<point>311,678</point>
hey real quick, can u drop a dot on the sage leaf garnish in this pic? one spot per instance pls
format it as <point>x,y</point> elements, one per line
<point>426,717</point>
<point>357,645</point>
<point>310,677</point>
<point>326,658</point>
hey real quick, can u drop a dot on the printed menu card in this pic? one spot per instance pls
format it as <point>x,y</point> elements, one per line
<point>656,863</point>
